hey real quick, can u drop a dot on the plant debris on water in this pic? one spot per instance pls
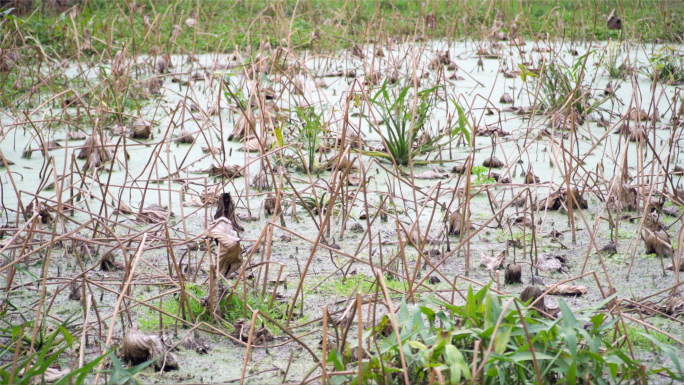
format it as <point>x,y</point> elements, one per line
<point>336,192</point>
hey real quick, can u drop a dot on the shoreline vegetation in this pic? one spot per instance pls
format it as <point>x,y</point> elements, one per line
<point>221,26</point>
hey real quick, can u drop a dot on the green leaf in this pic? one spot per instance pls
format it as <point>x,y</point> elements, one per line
<point>279,136</point>
<point>335,358</point>
<point>501,340</point>
<point>667,349</point>
<point>568,317</point>
<point>417,345</point>
<point>457,365</point>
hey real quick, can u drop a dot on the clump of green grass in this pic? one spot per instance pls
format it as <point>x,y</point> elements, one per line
<point>233,308</point>
<point>667,67</point>
<point>356,283</point>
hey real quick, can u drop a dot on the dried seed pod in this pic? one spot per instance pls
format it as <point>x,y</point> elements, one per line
<point>226,209</point>
<point>270,203</point>
<point>139,347</point>
<point>493,162</point>
<point>109,263</point>
<point>299,85</point>
<point>506,98</point>
<point>456,223</point>
<point>513,274</point>
<point>357,227</point>
<point>417,238</point>
<point>141,129</point>
<point>75,292</point>
<point>184,136</point>
<point>162,65</point>
<point>357,51</point>
<point>613,22</point>
<point>610,248</point>
<point>530,178</point>
<point>531,294</point>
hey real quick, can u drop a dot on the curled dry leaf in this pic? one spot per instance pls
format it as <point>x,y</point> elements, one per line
<point>261,181</point>
<point>229,249</point>
<point>559,199</point>
<point>550,262</point>
<point>246,123</point>
<point>254,144</point>
<point>657,242</point>
<point>260,334</point>
<point>194,201</point>
<point>493,263</point>
<point>155,213</point>
<point>103,153</point>
<point>417,238</point>
<point>567,290</point>
<point>139,347</point>
<point>430,174</point>
<point>491,130</point>
<point>226,170</point>
<point>76,135</point>
<point>193,342</point>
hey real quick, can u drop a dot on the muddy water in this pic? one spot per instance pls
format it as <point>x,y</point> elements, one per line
<point>224,362</point>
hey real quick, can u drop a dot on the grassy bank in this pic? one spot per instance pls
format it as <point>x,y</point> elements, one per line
<point>223,25</point>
